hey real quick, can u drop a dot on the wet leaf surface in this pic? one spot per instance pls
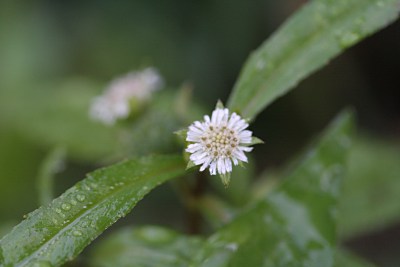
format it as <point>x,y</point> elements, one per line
<point>56,233</point>
<point>318,32</point>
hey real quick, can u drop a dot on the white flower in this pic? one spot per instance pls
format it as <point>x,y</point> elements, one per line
<point>115,102</point>
<point>218,142</point>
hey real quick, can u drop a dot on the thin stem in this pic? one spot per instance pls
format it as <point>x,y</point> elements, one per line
<point>195,217</point>
<point>191,195</point>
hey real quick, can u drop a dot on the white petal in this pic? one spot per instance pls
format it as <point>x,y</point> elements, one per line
<point>193,138</point>
<point>235,161</point>
<point>199,125</point>
<point>213,166</point>
<point>246,140</point>
<point>220,115</point>
<point>233,120</point>
<point>240,155</point>
<point>214,116</point>
<point>207,118</point>
<point>244,126</point>
<point>200,161</point>
<point>192,148</point>
<point>228,165</point>
<point>198,155</point>
<point>225,116</point>
<point>220,164</point>
<point>191,133</point>
<point>205,165</point>
<point>245,148</point>
<point>195,129</point>
<point>223,167</point>
<point>245,133</point>
<point>240,125</point>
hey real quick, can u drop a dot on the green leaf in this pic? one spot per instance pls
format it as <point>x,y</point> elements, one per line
<point>59,231</point>
<point>319,31</point>
<point>371,192</point>
<point>238,193</point>
<point>255,141</point>
<point>146,246</point>
<point>51,165</point>
<point>295,224</point>
<point>225,179</point>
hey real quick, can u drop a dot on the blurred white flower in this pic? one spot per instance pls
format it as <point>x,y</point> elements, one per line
<point>115,102</point>
<point>219,141</point>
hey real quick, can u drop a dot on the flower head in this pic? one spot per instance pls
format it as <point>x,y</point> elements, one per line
<point>115,102</point>
<point>219,141</point>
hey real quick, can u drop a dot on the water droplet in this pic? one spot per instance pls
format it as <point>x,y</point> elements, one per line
<point>326,181</point>
<point>84,207</point>
<point>41,264</point>
<point>317,167</point>
<point>260,65</point>
<point>344,141</point>
<point>119,184</point>
<point>84,224</point>
<point>112,187</point>
<point>55,221</point>
<point>232,246</point>
<point>268,219</point>
<point>348,39</point>
<point>66,206</point>
<point>87,187</point>
<point>58,210</point>
<point>360,21</point>
<point>25,216</point>
<point>80,197</point>
<point>77,233</point>
<point>73,202</point>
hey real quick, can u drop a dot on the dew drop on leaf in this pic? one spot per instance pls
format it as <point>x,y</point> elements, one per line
<point>77,233</point>
<point>41,264</point>
<point>66,206</point>
<point>380,3</point>
<point>348,39</point>
<point>80,197</point>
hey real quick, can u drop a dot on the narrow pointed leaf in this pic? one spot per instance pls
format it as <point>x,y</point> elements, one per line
<point>295,224</point>
<point>319,31</point>
<point>56,233</point>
